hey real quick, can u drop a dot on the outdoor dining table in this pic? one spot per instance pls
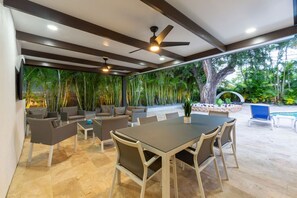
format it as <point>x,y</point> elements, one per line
<point>168,137</point>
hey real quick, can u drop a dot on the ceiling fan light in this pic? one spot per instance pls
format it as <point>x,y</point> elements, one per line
<point>154,48</point>
<point>105,69</point>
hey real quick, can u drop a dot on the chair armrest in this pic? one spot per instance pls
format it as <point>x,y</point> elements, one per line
<point>64,116</point>
<point>63,132</point>
<point>81,112</point>
<point>52,114</point>
<point>152,160</point>
<point>37,116</point>
<point>190,151</point>
<point>136,115</point>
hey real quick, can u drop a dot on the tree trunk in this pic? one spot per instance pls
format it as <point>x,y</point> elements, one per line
<point>208,87</point>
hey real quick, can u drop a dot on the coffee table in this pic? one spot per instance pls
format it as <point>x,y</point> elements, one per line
<point>82,125</point>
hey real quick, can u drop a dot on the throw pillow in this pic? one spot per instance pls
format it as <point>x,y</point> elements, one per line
<point>105,108</point>
<point>119,110</point>
<point>128,113</point>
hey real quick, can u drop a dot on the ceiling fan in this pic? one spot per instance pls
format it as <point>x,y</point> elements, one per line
<point>105,67</point>
<point>156,42</point>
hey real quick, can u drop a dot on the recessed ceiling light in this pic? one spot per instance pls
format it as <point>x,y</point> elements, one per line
<point>162,58</point>
<point>141,63</point>
<point>176,62</point>
<point>52,27</point>
<point>250,30</point>
<point>105,43</point>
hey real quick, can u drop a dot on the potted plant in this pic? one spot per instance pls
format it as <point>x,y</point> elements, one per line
<point>187,108</point>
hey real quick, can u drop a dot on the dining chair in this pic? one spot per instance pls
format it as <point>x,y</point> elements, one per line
<point>139,164</point>
<point>200,157</point>
<point>218,113</point>
<point>224,140</point>
<point>171,115</point>
<point>48,132</point>
<point>147,120</point>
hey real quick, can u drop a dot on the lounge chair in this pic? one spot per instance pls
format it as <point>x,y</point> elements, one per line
<point>260,113</point>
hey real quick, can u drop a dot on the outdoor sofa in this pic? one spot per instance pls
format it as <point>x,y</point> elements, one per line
<point>133,112</point>
<point>105,110</point>
<point>72,113</point>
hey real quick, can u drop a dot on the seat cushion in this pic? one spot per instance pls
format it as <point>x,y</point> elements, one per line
<point>76,117</point>
<point>102,114</point>
<point>38,111</point>
<point>137,110</point>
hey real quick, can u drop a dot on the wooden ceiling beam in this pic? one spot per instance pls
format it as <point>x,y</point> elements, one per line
<point>77,48</point>
<point>175,15</point>
<point>51,65</point>
<point>38,10</point>
<point>238,46</point>
<point>29,52</point>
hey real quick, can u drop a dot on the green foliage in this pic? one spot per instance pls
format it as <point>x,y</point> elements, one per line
<point>228,101</point>
<point>57,88</point>
<point>187,107</point>
<point>219,102</point>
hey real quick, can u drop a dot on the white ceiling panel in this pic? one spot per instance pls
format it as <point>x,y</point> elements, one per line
<point>51,50</point>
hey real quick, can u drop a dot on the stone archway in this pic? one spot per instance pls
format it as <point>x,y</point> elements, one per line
<point>233,92</point>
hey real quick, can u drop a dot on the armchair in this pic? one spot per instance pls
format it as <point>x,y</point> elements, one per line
<point>105,110</point>
<point>39,113</point>
<point>102,128</point>
<point>133,112</point>
<point>44,132</point>
<point>72,113</point>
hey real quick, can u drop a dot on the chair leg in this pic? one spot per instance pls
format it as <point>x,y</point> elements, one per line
<point>175,177</point>
<point>234,153</point>
<point>75,143</point>
<point>200,185</point>
<point>113,182</point>
<point>218,173</point>
<point>224,163</point>
<point>27,130</point>
<point>30,152</point>
<point>50,156</point>
<point>143,186</point>
<point>102,146</point>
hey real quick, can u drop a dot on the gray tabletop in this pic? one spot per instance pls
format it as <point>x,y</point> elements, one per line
<point>169,134</point>
<point>85,125</point>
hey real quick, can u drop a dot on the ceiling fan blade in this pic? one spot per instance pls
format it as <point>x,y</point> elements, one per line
<point>163,34</point>
<point>135,51</point>
<point>171,44</point>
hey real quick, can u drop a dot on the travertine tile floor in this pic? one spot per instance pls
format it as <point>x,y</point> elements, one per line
<point>267,160</point>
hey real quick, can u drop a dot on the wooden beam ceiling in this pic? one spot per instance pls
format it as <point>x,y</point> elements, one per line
<point>175,15</point>
<point>70,21</point>
<point>77,48</point>
<point>239,46</point>
<point>52,65</point>
<point>73,60</point>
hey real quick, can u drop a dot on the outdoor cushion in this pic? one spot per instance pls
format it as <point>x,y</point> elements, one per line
<point>102,114</point>
<point>38,111</point>
<point>75,117</point>
<point>70,110</point>
<point>138,110</point>
<point>120,110</point>
<point>128,112</point>
<point>105,108</point>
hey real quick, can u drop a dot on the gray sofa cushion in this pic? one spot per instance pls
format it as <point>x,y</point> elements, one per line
<point>138,110</point>
<point>38,111</point>
<point>72,111</point>
<point>75,117</point>
<point>105,108</point>
<point>119,110</point>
